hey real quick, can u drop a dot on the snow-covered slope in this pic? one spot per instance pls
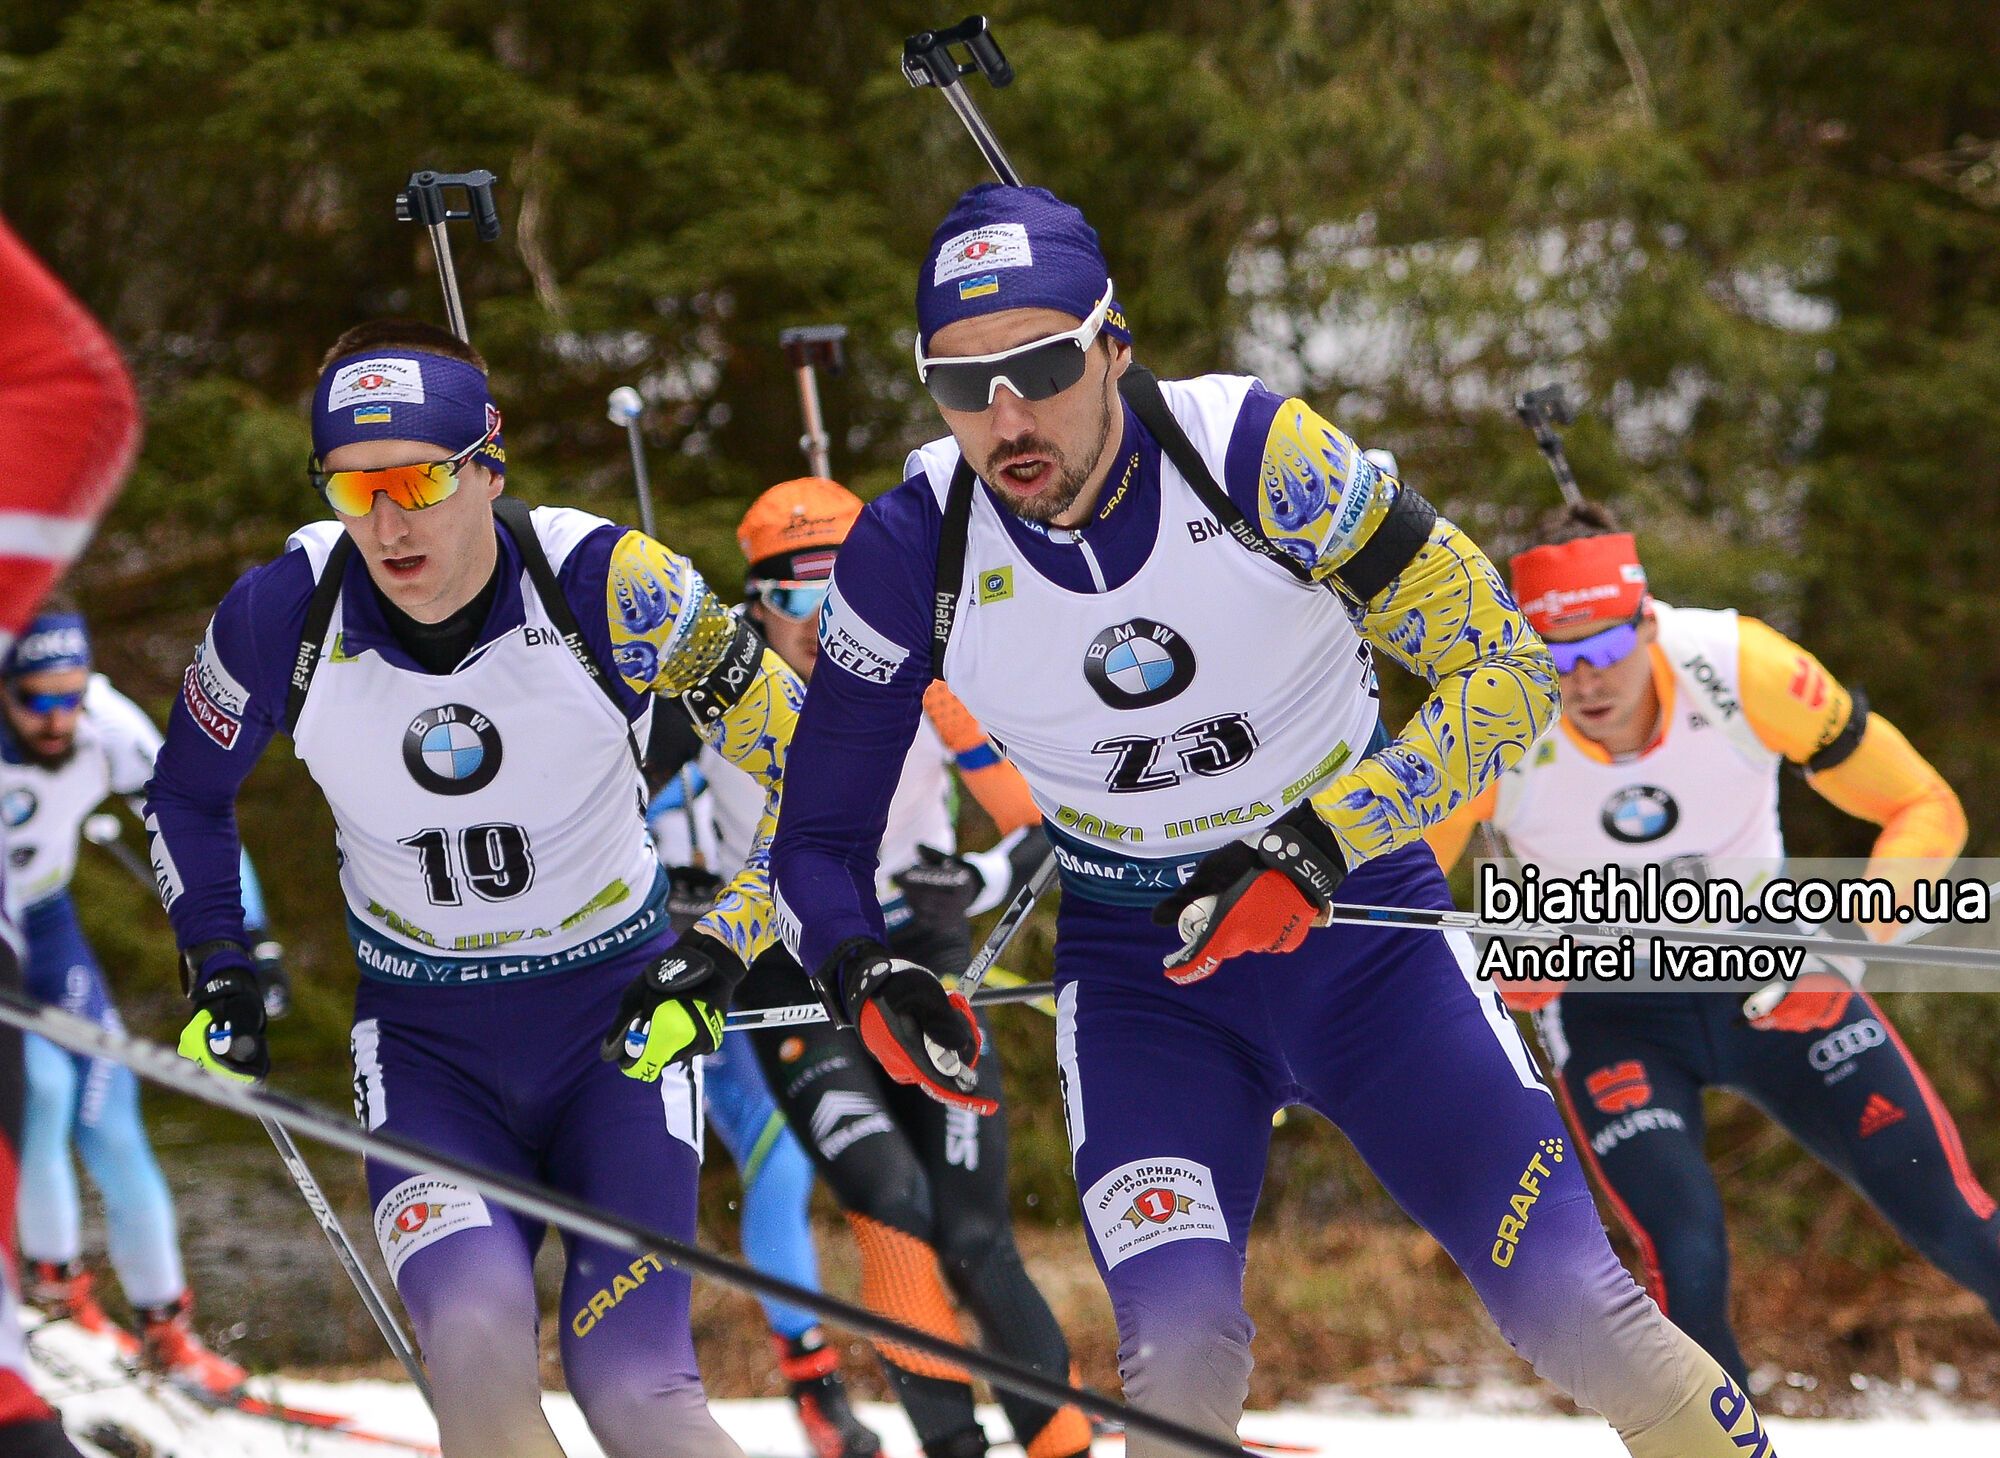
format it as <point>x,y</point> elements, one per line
<point>82,1375</point>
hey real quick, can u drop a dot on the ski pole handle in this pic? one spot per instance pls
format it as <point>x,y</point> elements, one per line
<point>1542,410</point>
<point>805,348</point>
<point>423,201</point>
<point>625,407</point>
<point>928,60</point>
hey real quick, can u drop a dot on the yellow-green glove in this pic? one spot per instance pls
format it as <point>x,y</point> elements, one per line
<point>226,1033</point>
<point>673,1011</point>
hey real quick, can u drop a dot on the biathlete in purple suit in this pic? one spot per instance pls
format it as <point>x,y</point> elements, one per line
<point>466,699</point>
<point>1160,598</point>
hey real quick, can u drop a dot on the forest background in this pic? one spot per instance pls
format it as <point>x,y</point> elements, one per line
<point>1760,244</point>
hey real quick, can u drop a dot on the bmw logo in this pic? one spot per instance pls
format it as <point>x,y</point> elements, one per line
<point>1138,664</point>
<point>19,806</point>
<point>1640,813</point>
<point>452,750</point>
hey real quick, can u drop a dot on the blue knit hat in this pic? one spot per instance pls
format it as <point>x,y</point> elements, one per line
<point>1012,248</point>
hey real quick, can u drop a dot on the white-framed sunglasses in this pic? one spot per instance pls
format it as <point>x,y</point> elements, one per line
<point>1036,370</point>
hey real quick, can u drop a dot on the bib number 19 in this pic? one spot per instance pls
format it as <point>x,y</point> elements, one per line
<point>493,860</point>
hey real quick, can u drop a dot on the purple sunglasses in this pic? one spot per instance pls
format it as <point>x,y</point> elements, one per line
<point>1599,650</point>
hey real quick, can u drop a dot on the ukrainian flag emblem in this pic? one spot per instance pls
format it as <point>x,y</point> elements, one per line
<point>978,288</point>
<point>996,586</point>
<point>371,415</point>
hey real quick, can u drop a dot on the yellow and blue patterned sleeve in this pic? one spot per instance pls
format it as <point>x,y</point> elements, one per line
<point>1445,615</point>
<point>671,635</point>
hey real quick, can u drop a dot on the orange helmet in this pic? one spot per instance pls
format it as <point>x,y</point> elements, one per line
<point>792,530</point>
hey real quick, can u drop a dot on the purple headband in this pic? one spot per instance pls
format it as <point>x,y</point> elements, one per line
<point>405,394</point>
<point>1012,248</point>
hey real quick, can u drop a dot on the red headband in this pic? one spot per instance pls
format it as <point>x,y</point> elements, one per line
<point>1591,579</point>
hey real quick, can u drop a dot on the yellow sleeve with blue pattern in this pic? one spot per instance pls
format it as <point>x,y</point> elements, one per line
<point>669,633</point>
<point>1445,616</point>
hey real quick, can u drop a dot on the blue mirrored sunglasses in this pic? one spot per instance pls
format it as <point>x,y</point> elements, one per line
<point>46,703</point>
<point>1599,650</point>
<point>793,601</point>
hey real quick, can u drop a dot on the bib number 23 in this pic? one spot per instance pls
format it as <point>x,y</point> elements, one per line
<point>1207,747</point>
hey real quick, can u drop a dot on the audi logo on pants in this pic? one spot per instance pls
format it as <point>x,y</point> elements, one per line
<point>1844,1043</point>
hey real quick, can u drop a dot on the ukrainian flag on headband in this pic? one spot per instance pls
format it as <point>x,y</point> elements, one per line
<point>980,287</point>
<point>371,414</point>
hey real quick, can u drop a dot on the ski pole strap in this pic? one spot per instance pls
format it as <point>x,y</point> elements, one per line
<point>312,641</point>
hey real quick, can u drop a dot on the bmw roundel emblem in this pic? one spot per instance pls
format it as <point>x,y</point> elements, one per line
<point>452,750</point>
<point>1138,664</point>
<point>19,806</point>
<point>1640,813</point>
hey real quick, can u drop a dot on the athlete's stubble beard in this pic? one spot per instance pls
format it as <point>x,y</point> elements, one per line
<point>1071,476</point>
<point>43,759</point>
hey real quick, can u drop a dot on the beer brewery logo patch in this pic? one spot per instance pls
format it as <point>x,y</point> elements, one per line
<point>1640,813</point>
<point>1138,664</point>
<point>452,750</point>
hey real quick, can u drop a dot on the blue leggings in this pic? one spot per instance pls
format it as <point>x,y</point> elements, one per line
<point>96,1103</point>
<point>777,1177</point>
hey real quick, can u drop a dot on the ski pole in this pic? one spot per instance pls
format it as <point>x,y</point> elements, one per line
<point>797,1014</point>
<point>1011,920</point>
<point>1413,918</point>
<point>1542,411</point>
<point>104,832</point>
<point>162,1065</point>
<point>928,61</point>
<point>1417,919</point>
<point>350,1259</point>
<point>805,348</point>
<point>625,407</point>
<point>423,201</point>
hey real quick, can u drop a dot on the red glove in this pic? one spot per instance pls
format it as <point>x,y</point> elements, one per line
<point>1814,1001</point>
<point>918,1032</point>
<point>1528,994</point>
<point>1259,894</point>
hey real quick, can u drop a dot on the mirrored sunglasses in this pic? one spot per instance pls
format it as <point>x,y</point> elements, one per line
<point>793,601</point>
<point>1599,650</point>
<point>46,703</point>
<point>412,487</point>
<point>1037,370</point>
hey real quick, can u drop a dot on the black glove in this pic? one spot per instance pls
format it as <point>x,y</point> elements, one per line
<point>226,1033</point>
<point>673,1011</point>
<point>918,1032</point>
<point>940,888</point>
<point>273,981</point>
<point>1262,893</point>
<point>691,890</point>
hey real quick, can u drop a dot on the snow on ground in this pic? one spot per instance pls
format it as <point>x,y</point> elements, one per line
<point>82,1376</point>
